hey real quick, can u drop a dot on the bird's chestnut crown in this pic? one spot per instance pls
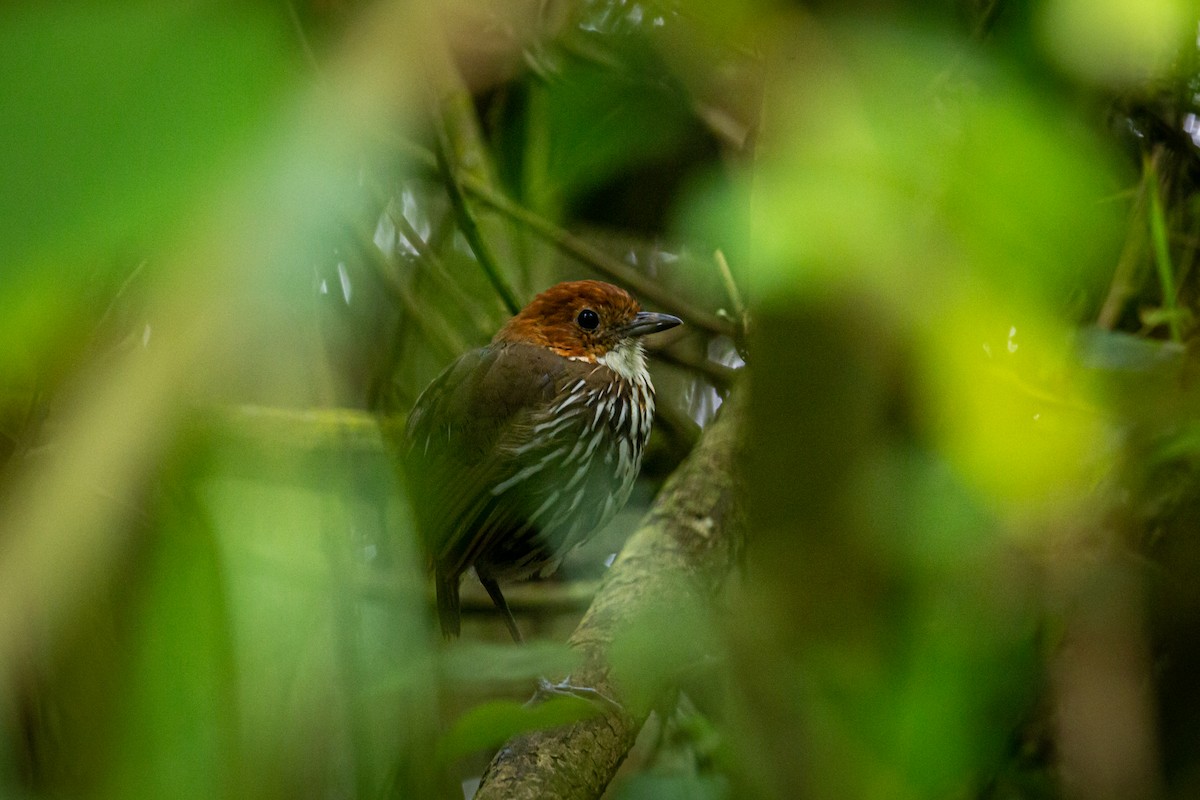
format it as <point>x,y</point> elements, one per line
<point>583,320</point>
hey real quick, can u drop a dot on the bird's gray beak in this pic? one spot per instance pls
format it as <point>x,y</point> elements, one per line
<point>650,322</point>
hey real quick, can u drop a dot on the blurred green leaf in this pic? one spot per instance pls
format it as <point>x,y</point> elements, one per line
<point>1114,41</point>
<point>177,727</point>
<point>326,603</point>
<point>651,786</point>
<point>662,648</point>
<point>1010,409</point>
<point>962,204</point>
<point>491,724</point>
<point>116,113</point>
<point>882,170</point>
<point>1117,351</point>
<point>117,117</point>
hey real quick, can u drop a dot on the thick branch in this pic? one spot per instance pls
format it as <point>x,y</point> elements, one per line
<point>678,558</point>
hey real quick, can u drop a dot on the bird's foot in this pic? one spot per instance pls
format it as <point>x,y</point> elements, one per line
<point>564,688</point>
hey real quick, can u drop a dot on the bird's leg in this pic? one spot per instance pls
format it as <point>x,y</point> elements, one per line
<point>493,590</point>
<point>545,689</point>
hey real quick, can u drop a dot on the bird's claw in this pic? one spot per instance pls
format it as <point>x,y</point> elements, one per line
<point>564,688</point>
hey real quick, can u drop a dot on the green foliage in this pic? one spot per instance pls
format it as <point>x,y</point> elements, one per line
<point>595,117</point>
<point>118,118</point>
<point>118,114</point>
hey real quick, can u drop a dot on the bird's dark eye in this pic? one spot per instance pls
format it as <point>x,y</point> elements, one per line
<point>588,320</point>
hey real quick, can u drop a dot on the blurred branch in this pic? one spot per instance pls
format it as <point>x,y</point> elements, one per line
<point>300,430</point>
<point>986,12</point>
<point>720,375</point>
<point>592,256</point>
<point>679,557</point>
<point>538,598</point>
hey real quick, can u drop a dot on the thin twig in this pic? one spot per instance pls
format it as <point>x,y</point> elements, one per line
<point>731,289</point>
<point>470,228</point>
<point>1122,283</point>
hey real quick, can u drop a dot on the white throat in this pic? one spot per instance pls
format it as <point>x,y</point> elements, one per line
<point>628,360</point>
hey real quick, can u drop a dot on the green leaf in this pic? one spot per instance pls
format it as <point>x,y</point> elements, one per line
<point>491,724</point>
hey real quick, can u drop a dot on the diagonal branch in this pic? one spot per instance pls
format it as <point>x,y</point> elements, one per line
<point>470,227</point>
<point>679,557</point>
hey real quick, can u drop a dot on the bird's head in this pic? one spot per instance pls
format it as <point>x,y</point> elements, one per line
<point>588,321</point>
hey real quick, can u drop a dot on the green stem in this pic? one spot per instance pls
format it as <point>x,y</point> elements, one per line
<point>1162,253</point>
<point>470,228</point>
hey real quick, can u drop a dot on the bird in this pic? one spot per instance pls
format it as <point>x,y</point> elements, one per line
<point>518,451</point>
